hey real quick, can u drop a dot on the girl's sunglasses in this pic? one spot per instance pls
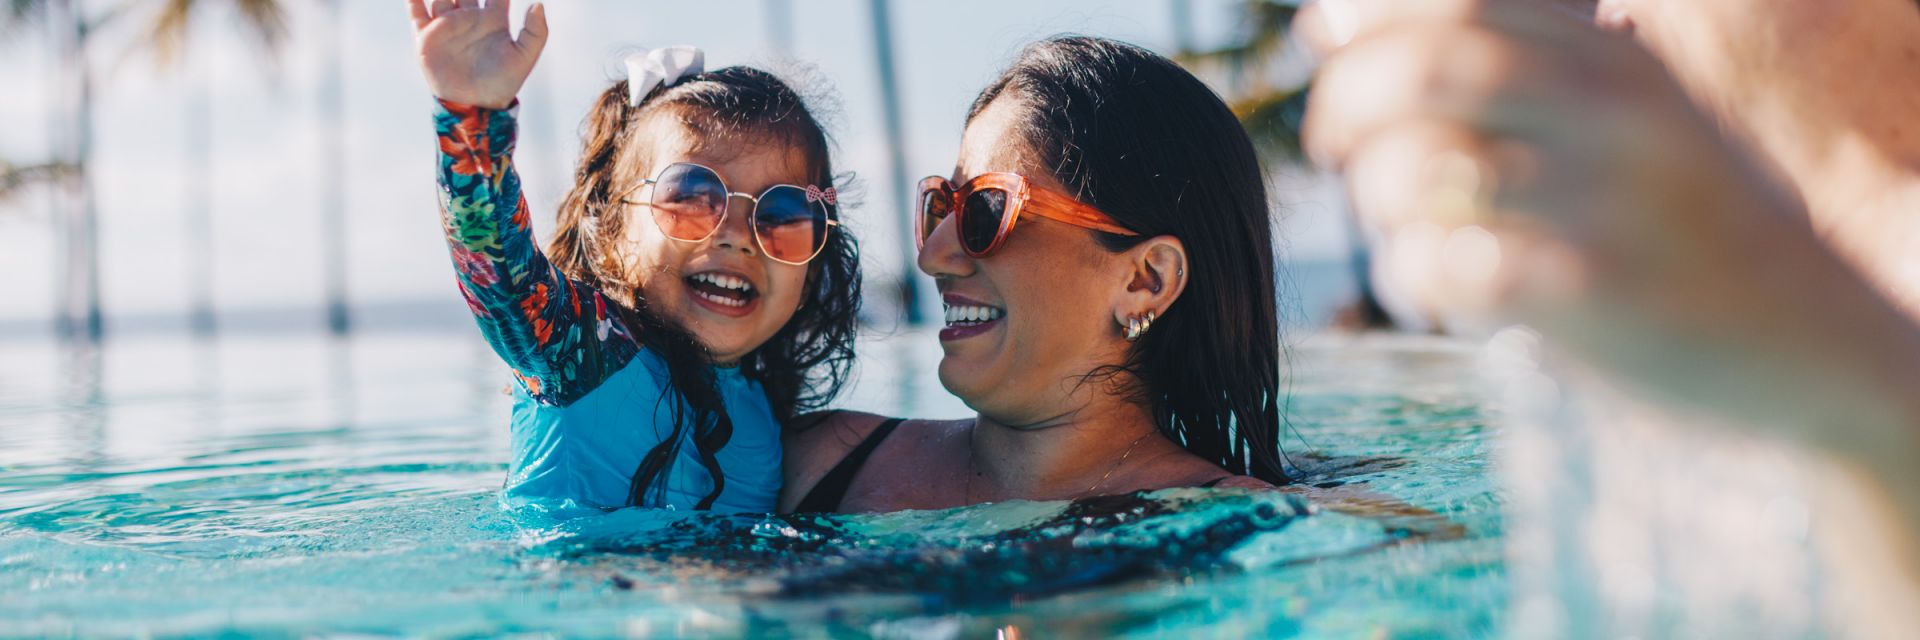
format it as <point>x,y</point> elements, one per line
<point>790,222</point>
<point>987,207</point>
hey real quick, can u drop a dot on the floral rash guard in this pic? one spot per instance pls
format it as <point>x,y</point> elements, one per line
<point>588,397</point>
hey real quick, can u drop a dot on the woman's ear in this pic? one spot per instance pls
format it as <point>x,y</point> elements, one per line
<point>1158,275</point>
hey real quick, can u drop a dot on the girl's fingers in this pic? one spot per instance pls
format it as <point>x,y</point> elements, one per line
<point>418,9</point>
<point>533,35</point>
<point>441,7</point>
<point>497,8</point>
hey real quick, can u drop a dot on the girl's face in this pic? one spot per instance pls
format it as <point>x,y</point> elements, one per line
<point>1055,291</point>
<point>724,290</point>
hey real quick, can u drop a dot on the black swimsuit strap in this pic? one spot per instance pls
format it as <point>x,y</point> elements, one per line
<point>1215,482</point>
<point>832,488</point>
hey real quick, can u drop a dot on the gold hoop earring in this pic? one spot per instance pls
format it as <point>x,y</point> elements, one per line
<point>1137,325</point>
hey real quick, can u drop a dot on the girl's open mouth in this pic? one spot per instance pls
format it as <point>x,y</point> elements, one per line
<point>966,319</point>
<point>722,293</point>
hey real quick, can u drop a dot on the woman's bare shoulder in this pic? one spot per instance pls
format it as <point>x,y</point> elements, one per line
<point>1243,482</point>
<point>827,434</point>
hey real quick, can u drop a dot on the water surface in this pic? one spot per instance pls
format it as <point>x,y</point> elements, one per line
<point>291,486</point>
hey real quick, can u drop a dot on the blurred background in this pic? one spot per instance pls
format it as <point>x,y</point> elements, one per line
<point>207,167</point>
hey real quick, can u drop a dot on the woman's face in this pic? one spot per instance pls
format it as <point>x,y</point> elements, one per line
<point>1049,288</point>
<point>724,290</point>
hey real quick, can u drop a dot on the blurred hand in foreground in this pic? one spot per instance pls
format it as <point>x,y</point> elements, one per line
<point>468,51</point>
<point>1525,166</point>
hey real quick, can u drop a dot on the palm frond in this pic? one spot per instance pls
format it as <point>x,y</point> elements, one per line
<point>1271,114</point>
<point>20,14</point>
<point>14,181</point>
<point>1273,121</point>
<point>167,34</point>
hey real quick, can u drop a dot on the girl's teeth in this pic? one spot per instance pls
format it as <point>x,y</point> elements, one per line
<point>723,281</point>
<point>731,302</point>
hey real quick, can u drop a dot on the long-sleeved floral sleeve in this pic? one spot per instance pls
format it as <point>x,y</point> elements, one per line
<point>556,333</point>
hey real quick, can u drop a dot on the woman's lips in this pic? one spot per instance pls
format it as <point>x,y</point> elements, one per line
<point>961,331</point>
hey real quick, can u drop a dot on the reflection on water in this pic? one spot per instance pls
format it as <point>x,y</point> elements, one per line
<point>303,486</point>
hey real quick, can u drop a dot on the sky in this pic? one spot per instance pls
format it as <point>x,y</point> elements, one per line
<point>268,196</point>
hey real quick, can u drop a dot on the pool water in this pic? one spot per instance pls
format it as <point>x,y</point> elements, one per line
<point>293,486</point>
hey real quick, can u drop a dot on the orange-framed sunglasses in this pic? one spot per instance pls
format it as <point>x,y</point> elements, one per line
<point>988,206</point>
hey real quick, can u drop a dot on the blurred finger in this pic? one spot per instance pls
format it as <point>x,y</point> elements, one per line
<point>441,7</point>
<point>1423,170</point>
<point>1465,75</point>
<point>1456,236</point>
<point>417,9</point>
<point>495,7</point>
<point>1329,24</point>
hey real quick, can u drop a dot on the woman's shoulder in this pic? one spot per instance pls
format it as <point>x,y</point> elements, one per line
<point>830,432</point>
<point>1241,482</point>
<point>817,442</point>
<point>831,435</point>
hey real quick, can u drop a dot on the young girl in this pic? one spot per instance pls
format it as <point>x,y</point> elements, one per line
<point>698,293</point>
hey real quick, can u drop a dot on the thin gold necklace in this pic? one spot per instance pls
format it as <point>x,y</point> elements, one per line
<point>1096,484</point>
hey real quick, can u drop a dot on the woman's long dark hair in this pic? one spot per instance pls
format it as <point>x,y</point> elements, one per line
<point>808,361</point>
<point>1131,133</point>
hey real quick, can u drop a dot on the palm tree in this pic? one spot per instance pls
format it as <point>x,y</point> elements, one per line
<point>909,287</point>
<point>71,27</point>
<point>166,36</point>
<point>1268,91</point>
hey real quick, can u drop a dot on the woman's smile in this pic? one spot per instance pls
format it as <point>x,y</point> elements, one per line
<point>966,317</point>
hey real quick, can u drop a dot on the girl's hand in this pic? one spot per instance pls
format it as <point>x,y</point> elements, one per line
<point>468,54</point>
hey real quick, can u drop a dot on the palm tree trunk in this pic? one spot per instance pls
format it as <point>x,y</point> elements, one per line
<point>333,161</point>
<point>1183,26</point>
<point>199,130</point>
<point>780,26</point>
<point>909,291</point>
<point>80,317</point>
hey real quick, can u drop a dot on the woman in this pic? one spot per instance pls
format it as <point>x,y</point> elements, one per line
<point>1115,329</point>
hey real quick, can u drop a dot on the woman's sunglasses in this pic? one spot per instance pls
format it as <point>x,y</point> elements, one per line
<point>988,206</point>
<point>790,222</point>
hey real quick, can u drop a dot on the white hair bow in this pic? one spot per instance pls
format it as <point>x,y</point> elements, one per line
<point>661,67</point>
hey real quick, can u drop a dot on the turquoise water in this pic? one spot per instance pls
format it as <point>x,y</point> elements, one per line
<point>291,486</point>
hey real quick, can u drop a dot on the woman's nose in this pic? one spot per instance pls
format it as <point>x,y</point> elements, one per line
<point>736,227</point>
<point>942,256</point>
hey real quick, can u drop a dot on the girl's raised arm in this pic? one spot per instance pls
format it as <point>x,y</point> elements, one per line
<point>555,333</point>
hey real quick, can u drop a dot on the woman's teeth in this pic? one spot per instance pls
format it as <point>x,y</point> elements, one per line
<point>968,314</point>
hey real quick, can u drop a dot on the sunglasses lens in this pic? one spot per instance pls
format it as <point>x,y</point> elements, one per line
<point>688,202</point>
<point>935,204</point>
<point>980,222</point>
<point>790,227</point>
